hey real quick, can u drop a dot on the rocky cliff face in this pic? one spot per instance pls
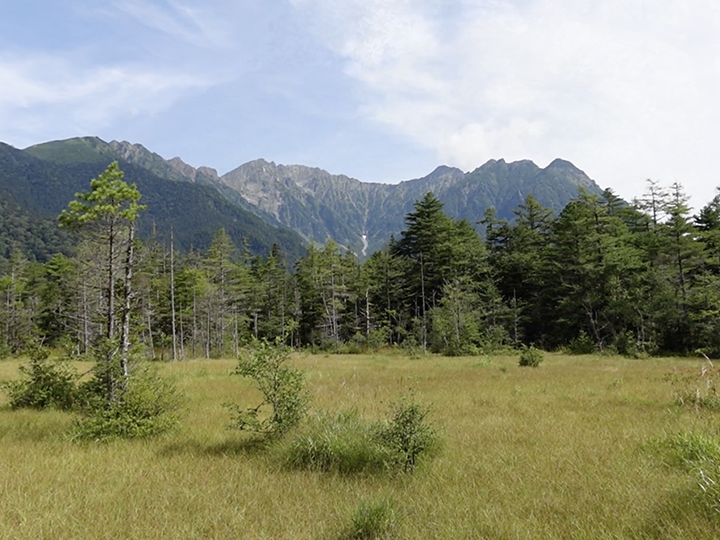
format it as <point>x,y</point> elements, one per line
<point>363,216</point>
<point>358,215</point>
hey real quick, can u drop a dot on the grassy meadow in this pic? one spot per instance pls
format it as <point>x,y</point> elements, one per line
<point>568,450</point>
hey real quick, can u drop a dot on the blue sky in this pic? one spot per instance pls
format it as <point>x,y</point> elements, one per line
<point>381,90</point>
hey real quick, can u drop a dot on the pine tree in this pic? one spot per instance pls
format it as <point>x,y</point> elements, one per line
<point>108,212</point>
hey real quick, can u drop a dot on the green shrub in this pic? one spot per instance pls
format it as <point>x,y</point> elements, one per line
<point>407,433</point>
<point>285,400</point>
<point>340,443</point>
<point>582,344</point>
<point>531,357</point>
<point>373,520</point>
<point>148,405</point>
<point>47,383</point>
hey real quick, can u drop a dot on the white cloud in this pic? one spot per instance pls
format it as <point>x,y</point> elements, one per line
<point>625,88</point>
<point>47,91</point>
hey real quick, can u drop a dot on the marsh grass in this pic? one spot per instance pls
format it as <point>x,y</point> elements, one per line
<point>557,452</point>
<point>341,443</point>
<point>372,520</point>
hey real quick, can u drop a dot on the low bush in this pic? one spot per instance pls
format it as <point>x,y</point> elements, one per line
<point>340,443</point>
<point>148,405</point>
<point>582,344</point>
<point>407,434</point>
<point>47,383</point>
<point>285,400</point>
<point>531,357</point>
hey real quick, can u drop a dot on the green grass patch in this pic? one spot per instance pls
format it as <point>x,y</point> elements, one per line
<point>559,452</point>
<point>337,443</point>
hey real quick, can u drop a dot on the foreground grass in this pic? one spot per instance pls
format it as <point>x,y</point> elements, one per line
<point>562,451</point>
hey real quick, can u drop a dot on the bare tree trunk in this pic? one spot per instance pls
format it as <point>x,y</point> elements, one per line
<point>151,341</point>
<point>208,337</point>
<point>367,313</point>
<point>194,328</point>
<point>127,286</point>
<point>172,296</point>
<point>86,322</point>
<point>424,307</point>
<point>110,316</point>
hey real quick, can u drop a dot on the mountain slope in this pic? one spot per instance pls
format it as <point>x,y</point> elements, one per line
<point>43,179</point>
<point>321,206</point>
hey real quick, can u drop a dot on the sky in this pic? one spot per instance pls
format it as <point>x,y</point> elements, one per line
<point>379,90</point>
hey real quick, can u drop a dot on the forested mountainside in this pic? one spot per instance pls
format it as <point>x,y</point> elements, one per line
<point>601,275</point>
<point>38,183</point>
<point>357,215</point>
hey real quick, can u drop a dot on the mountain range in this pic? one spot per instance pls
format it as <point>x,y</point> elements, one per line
<point>261,203</point>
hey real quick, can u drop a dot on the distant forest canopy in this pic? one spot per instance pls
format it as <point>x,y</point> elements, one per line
<point>602,275</point>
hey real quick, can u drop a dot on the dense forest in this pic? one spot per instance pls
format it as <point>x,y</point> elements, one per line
<point>602,275</point>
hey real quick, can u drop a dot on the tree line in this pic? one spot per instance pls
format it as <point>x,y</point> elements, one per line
<point>602,275</point>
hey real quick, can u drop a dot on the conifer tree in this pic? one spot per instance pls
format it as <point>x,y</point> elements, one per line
<point>108,213</point>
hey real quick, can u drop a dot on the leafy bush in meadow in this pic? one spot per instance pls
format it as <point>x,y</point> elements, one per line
<point>285,400</point>
<point>531,357</point>
<point>146,406</point>
<point>46,383</point>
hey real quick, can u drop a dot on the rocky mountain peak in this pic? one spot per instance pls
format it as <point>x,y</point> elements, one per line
<point>191,173</point>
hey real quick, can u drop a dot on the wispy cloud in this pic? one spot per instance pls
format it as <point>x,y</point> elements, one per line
<point>186,22</point>
<point>610,84</point>
<point>46,90</point>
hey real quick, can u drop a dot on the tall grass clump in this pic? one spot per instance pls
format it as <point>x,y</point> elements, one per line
<point>697,388</point>
<point>344,443</point>
<point>337,443</point>
<point>372,520</point>
<point>698,454</point>
<point>688,450</point>
<point>708,478</point>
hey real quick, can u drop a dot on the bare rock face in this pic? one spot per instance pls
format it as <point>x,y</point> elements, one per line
<point>362,216</point>
<point>209,172</point>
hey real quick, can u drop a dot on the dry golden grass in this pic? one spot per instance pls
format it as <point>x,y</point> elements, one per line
<point>561,451</point>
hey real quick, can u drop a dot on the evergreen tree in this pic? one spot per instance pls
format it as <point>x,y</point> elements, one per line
<point>109,212</point>
<point>438,250</point>
<point>592,268</point>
